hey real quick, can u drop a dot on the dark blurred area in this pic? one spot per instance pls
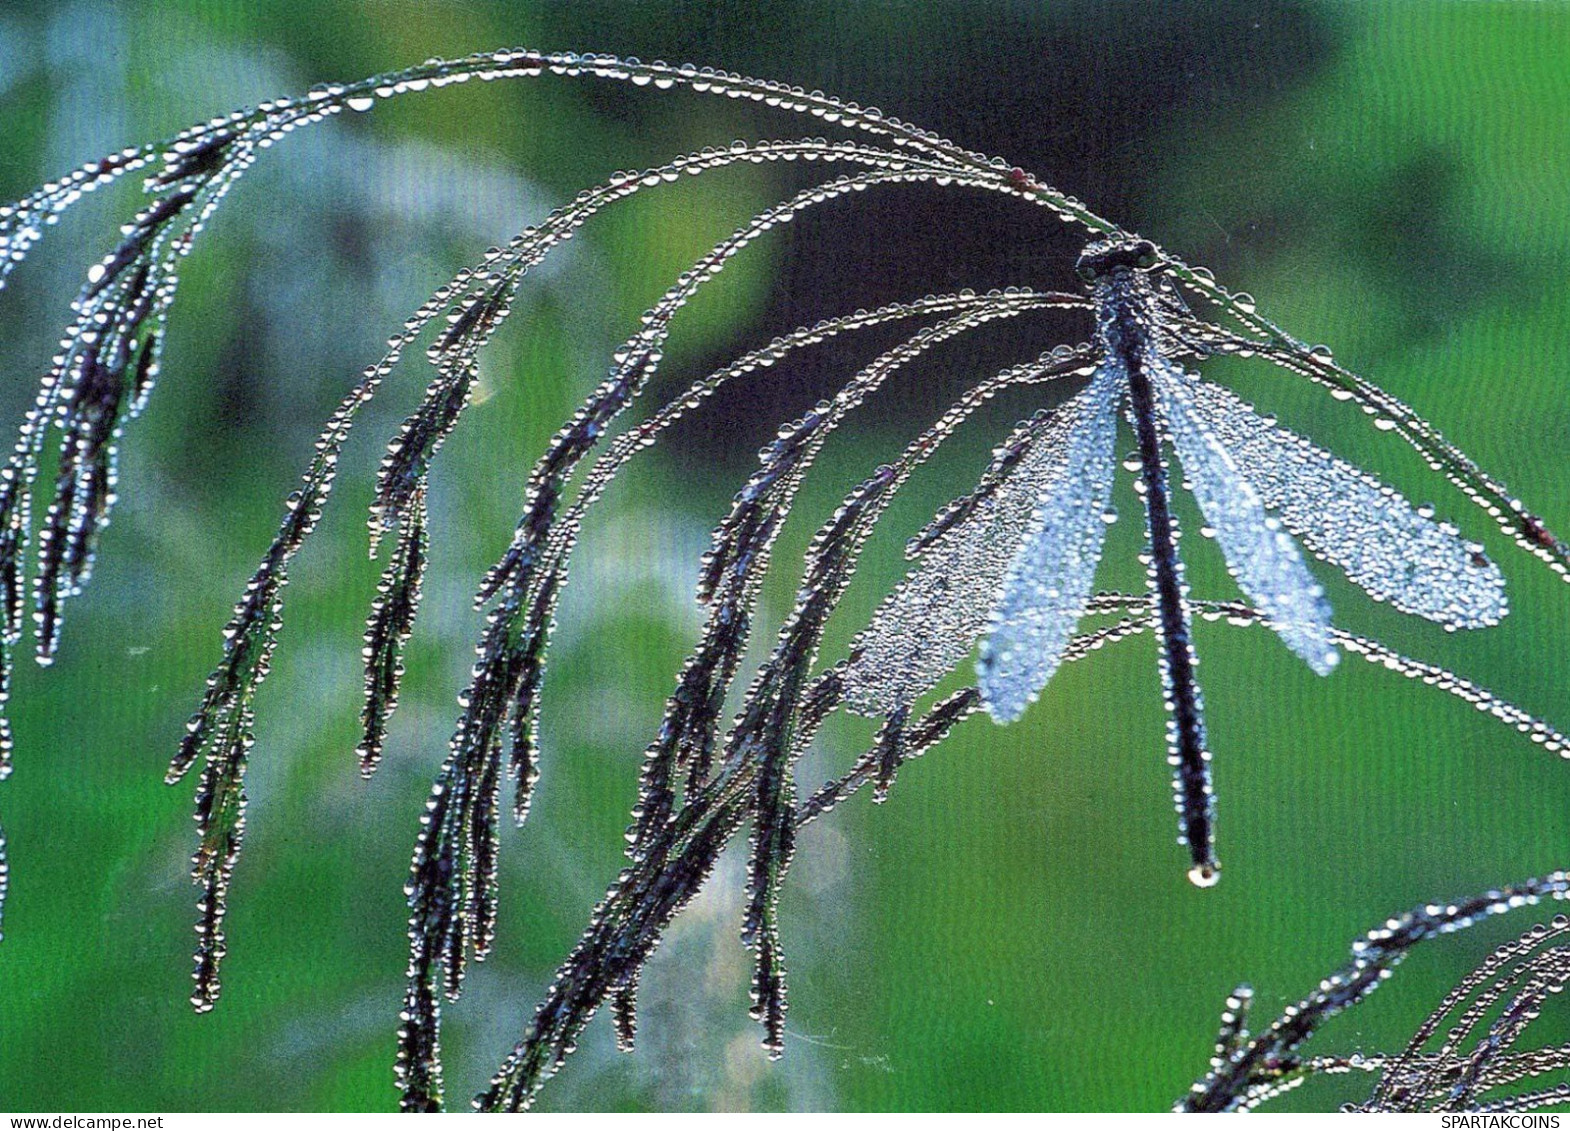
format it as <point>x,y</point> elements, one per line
<point>1087,94</point>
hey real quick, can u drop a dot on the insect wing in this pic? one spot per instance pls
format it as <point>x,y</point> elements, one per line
<point>1267,563</point>
<point>1048,582</point>
<point>1355,522</point>
<point>930,623</point>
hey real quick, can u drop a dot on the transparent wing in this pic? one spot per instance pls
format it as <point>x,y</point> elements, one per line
<point>1353,521</point>
<point>930,623</point>
<point>1047,583</point>
<point>1262,556</point>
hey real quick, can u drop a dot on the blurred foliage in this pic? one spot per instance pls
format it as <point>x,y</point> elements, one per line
<point>1014,929</point>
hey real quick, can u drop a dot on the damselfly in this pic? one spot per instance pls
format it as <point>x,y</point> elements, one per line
<point>1010,565</point>
<point>1045,512</point>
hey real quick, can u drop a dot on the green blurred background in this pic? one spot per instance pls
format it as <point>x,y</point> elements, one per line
<point>1013,930</point>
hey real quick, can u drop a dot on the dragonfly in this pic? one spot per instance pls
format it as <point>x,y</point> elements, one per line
<point>1013,565</point>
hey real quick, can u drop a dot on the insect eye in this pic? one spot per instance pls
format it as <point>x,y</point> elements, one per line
<point>1146,257</point>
